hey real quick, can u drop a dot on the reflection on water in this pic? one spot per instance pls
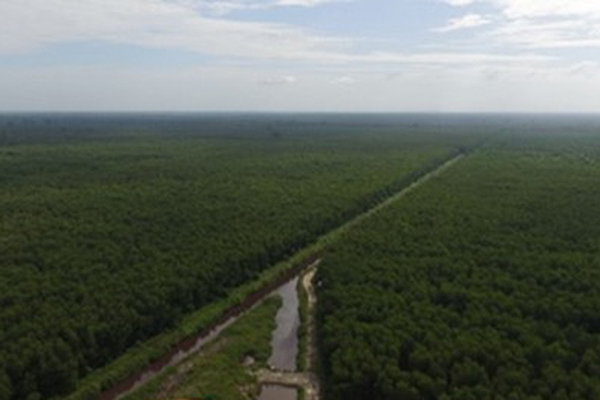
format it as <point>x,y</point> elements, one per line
<point>284,343</point>
<point>276,392</point>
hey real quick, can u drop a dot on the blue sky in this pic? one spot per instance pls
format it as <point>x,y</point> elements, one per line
<point>300,55</point>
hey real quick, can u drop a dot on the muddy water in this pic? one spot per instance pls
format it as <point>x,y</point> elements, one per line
<point>277,392</point>
<point>285,336</point>
<point>284,342</point>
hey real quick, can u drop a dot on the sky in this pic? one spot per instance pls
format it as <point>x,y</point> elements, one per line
<point>300,55</point>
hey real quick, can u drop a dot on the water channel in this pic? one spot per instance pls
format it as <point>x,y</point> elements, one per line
<point>283,286</point>
<point>284,342</point>
<point>284,345</point>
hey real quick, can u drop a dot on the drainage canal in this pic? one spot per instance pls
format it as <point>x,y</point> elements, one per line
<point>284,342</point>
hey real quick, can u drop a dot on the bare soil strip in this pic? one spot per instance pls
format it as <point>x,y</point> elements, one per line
<point>300,380</point>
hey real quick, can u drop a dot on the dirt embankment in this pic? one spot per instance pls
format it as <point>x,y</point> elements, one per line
<point>307,285</point>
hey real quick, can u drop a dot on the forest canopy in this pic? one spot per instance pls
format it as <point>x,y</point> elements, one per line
<point>482,284</point>
<point>114,227</point>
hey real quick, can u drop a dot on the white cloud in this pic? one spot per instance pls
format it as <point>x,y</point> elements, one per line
<point>549,8</point>
<point>550,23</point>
<point>459,3</point>
<point>343,80</point>
<point>447,58</point>
<point>222,7</point>
<point>278,81</point>
<point>537,8</point>
<point>304,3</point>
<point>543,34</point>
<point>464,88</point>
<point>172,24</point>
<point>586,69</point>
<point>466,21</point>
<point>28,24</point>
<point>541,23</point>
<point>266,65</point>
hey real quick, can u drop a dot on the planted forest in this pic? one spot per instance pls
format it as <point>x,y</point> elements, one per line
<point>484,283</point>
<point>114,227</point>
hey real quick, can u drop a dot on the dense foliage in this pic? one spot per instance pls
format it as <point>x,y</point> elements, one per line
<point>221,369</point>
<point>484,283</point>
<point>108,236</point>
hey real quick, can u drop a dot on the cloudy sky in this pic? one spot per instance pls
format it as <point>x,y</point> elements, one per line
<point>300,55</point>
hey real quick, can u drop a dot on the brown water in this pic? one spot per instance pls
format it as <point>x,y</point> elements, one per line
<point>284,342</point>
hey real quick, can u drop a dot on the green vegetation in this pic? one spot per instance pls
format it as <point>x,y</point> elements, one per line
<point>482,284</point>
<point>142,354</point>
<point>113,231</point>
<point>219,369</point>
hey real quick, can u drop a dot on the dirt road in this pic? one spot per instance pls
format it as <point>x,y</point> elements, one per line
<point>301,380</point>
